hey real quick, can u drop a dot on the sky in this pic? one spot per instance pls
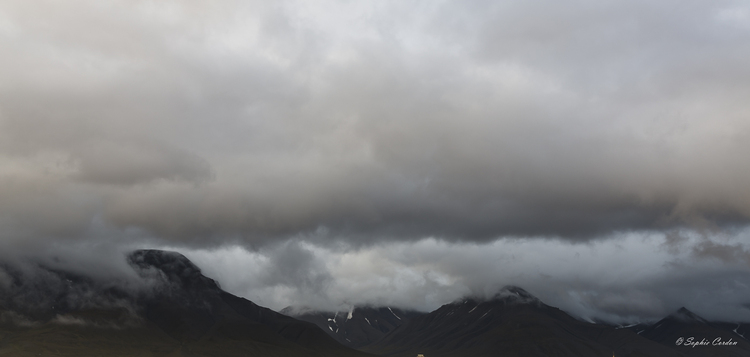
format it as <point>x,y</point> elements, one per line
<point>403,153</point>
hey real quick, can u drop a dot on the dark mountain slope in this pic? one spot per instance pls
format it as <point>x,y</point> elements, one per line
<point>175,311</point>
<point>513,323</point>
<point>739,329</point>
<point>358,327</point>
<point>683,327</point>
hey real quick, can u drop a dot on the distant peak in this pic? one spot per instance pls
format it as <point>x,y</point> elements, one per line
<point>175,267</point>
<point>514,290</point>
<point>509,294</point>
<point>685,315</point>
<point>161,258</point>
<point>515,294</point>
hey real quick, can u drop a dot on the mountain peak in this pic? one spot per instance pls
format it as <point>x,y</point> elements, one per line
<point>516,295</point>
<point>162,259</point>
<point>685,315</point>
<point>173,266</point>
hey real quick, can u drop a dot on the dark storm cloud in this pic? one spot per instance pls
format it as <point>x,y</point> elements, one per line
<point>206,122</point>
<point>296,267</point>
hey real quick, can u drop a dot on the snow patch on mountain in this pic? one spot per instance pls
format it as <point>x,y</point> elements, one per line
<point>737,332</point>
<point>394,314</point>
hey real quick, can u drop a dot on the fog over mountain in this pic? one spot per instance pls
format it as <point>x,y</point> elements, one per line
<point>335,153</point>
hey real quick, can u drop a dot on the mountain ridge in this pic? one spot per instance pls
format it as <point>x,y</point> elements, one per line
<point>519,324</point>
<point>171,308</point>
<point>682,328</point>
<point>356,327</point>
<point>176,311</point>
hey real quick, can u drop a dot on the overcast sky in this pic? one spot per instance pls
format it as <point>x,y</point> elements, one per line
<point>329,153</point>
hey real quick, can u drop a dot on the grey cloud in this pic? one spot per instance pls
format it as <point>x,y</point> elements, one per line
<point>729,253</point>
<point>473,121</point>
<point>627,282</point>
<point>297,267</point>
<point>674,241</point>
<point>139,163</point>
<point>37,210</point>
<point>278,275</point>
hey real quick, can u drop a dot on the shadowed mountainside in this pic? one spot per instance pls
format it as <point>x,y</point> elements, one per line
<point>165,306</point>
<point>515,323</point>
<point>357,327</point>
<point>685,326</point>
<point>176,311</point>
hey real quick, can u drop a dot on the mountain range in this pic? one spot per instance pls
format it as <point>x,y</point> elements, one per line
<point>515,323</point>
<point>692,330</point>
<point>357,327</point>
<point>169,308</point>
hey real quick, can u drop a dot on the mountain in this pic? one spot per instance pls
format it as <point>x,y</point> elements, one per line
<point>692,335</point>
<point>739,329</point>
<point>164,306</point>
<point>358,327</point>
<point>172,309</point>
<point>512,323</point>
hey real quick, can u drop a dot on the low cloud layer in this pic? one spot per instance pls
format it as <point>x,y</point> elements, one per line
<point>640,278</point>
